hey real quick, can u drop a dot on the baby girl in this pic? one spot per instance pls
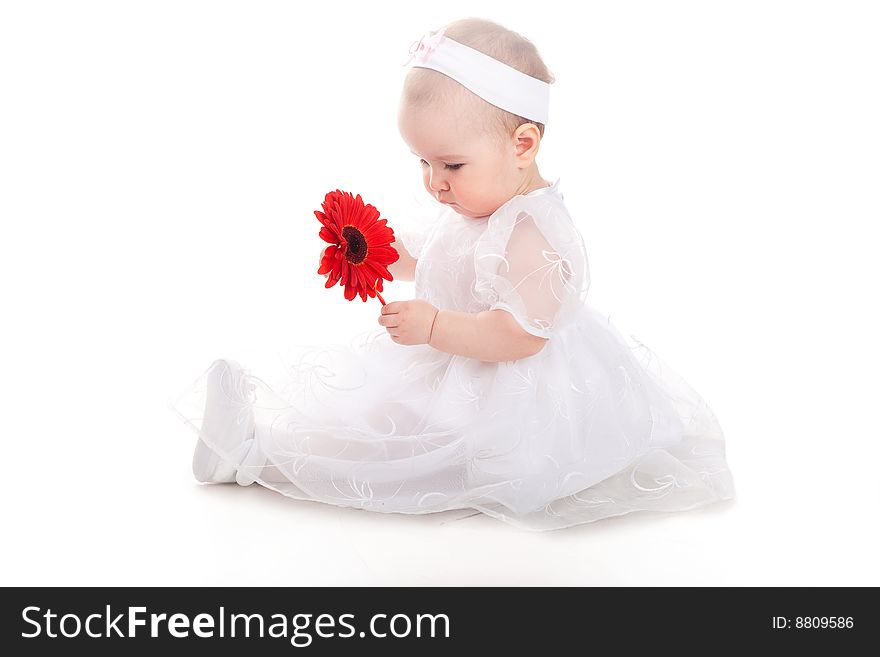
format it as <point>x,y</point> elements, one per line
<point>497,388</point>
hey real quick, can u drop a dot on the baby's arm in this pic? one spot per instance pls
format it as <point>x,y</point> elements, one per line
<point>404,269</point>
<point>490,335</point>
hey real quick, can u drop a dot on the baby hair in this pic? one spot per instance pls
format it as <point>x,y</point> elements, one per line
<point>426,87</point>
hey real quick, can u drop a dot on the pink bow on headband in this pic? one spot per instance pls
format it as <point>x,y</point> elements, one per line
<point>421,49</point>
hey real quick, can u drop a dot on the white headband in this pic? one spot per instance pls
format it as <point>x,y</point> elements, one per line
<point>493,81</point>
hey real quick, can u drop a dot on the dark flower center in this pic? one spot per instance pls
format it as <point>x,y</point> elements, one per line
<point>357,244</point>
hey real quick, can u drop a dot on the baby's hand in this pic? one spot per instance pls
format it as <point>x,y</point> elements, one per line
<point>408,322</point>
<point>320,258</point>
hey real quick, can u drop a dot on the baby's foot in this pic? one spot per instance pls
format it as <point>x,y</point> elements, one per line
<point>250,463</point>
<point>228,423</point>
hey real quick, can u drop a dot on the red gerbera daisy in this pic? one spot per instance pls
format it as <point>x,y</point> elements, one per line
<point>360,245</point>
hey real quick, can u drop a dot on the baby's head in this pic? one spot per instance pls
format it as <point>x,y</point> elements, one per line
<point>473,154</point>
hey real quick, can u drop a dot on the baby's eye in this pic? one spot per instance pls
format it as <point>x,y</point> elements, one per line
<point>453,167</point>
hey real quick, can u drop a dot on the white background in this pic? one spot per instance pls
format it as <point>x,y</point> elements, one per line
<point>159,167</point>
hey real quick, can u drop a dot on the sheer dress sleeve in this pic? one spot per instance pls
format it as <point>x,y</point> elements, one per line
<point>531,262</point>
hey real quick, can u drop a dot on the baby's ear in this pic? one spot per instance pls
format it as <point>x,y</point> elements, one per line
<point>528,142</point>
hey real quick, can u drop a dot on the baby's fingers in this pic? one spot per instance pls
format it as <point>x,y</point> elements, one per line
<point>321,259</point>
<point>388,321</point>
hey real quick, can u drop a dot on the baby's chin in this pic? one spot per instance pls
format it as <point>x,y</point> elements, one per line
<point>469,214</point>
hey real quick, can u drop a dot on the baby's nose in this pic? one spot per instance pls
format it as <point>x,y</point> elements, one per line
<point>436,182</point>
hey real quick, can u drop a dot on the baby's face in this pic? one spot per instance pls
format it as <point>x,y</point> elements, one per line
<point>467,169</point>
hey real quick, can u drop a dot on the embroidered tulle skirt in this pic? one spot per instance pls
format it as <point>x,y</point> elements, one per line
<point>594,425</point>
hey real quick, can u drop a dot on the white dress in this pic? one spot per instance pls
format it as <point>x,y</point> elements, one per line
<point>593,425</point>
